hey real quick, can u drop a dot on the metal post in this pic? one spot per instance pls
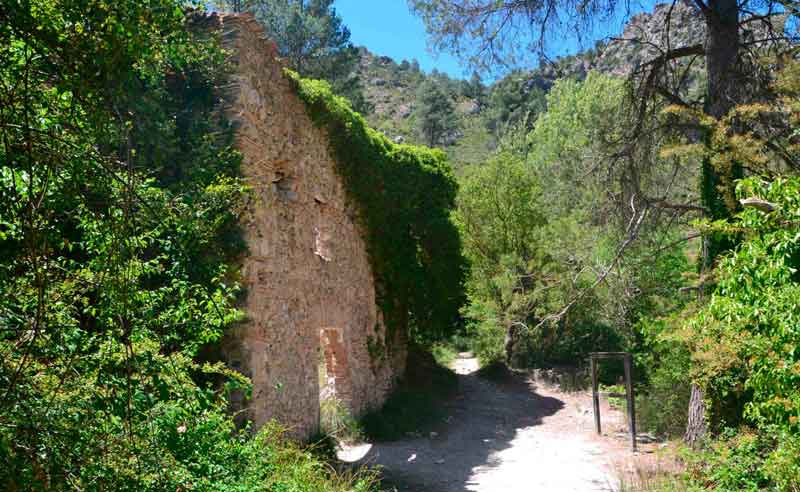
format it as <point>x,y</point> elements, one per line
<point>630,398</point>
<point>595,395</point>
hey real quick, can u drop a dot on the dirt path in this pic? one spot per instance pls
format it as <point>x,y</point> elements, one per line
<point>518,436</point>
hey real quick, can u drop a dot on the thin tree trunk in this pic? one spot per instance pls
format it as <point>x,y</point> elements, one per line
<point>696,426</point>
<point>722,59</point>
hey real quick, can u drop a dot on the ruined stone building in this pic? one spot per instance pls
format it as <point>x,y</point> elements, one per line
<point>311,314</point>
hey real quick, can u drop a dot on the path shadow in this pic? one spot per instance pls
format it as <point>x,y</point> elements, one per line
<point>484,417</point>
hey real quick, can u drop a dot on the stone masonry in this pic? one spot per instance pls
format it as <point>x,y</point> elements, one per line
<point>312,324</point>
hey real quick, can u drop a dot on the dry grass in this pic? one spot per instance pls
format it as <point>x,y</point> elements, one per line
<point>660,472</point>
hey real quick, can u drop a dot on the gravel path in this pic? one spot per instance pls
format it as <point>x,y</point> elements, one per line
<point>501,438</point>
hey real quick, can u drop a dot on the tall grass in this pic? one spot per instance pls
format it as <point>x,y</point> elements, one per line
<point>337,423</point>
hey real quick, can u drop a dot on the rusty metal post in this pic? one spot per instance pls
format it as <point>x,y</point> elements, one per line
<point>595,395</point>
<point>631,399</point>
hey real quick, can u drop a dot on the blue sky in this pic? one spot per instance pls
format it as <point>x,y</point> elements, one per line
<point>387,27</point>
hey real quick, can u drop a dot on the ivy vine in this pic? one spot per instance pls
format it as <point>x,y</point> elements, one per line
<point>405,195</point>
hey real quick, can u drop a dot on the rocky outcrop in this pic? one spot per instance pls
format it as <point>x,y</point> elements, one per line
<point>646,35</point>
<point>312,323</point>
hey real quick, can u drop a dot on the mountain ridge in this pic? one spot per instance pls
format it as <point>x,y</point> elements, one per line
<point>390,87</point>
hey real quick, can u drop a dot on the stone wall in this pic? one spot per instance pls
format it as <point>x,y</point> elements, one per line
<point>312,324</point>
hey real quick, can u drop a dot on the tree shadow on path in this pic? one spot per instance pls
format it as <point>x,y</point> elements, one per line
<point>484,417</point>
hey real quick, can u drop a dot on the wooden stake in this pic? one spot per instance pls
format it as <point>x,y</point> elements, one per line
<point>631,399</point>
<point>595,395</point>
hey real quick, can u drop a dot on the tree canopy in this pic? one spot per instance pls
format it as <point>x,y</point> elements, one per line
<point>435,114</point>
<point>313,39</point>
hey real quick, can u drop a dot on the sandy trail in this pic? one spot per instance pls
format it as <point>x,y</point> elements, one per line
<point>510,437</point>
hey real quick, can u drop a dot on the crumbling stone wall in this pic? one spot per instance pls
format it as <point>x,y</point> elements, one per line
<point>310,290</point>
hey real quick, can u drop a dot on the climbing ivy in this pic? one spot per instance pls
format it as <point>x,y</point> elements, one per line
<point>405,195</point>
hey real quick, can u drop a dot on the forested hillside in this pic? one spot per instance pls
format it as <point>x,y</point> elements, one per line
<point>480,113</point>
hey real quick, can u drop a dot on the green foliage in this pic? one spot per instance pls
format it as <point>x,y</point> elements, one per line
<point>313,39</point>
<point>488,337</point>
<point>444,353</point>
<point>577,130</point>
<point>664,362</point>
<point>435,115</point>
<point>538,233</point>
<point>500,220</point>
<point>405,195</point>
<point>745,338</point>
<point>734,462</point>
<point>513,100</point>
<point>744,341</point>
<point>119,204</point>
<point>336,422</point>
<point>614,399</point>
<point>474,89</point>
<point>474,147</point>
<point>782,466</point>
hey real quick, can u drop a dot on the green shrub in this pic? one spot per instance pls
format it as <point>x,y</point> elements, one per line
<point>744,340</point>
<point>783,464</point>
<point>662,405</point>
<point>444,353</point>
<point>664,361</point>
<point>487,336</point>
<point>744,345</point>
<point>732,463</point>
<point>119,205</point>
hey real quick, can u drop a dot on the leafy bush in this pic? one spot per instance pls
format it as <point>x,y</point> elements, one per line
<point>665,361</point>
<point>538,233</point>
<point>336,422</point>
<point>499,218</point>
<point>732,463</point>
<point>745,338</point>
<point>744,341</point>
<point>444,354</point>
<point>782,466</point>
<point>487,335</point>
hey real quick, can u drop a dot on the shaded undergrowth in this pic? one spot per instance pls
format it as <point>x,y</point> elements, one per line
<point>417,404</point>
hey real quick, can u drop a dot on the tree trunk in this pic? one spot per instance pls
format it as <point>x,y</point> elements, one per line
<point>725,90</point>
<point>717,189</point>
<point>696,424</point>
<point>722,56</point>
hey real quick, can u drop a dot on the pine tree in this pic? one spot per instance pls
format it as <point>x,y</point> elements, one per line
<point>474,88</point>
<point>314,41</point>
<point>435,114</point>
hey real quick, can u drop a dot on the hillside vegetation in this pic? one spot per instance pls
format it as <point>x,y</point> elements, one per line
<point>484,112</point>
